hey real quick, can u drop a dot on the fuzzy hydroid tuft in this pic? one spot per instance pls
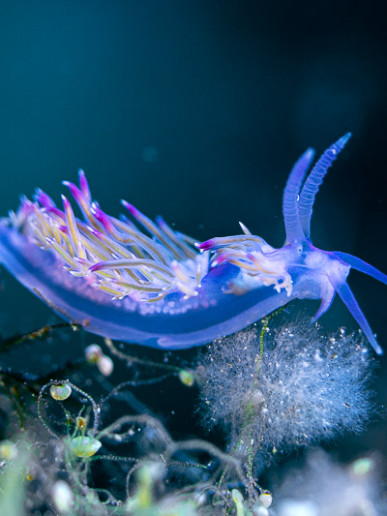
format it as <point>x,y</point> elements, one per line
<point>286,388</point>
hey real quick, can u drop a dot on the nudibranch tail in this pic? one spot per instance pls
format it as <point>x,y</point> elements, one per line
<point>138,280</point>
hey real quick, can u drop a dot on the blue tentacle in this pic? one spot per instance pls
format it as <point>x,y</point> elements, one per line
<point>289,204</point>
<point>314,180</point>
<point>350,302</point>
<point>362,266</point>
<point>326,303</point>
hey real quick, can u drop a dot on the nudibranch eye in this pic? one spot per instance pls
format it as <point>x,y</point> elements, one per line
<point>140,281</point>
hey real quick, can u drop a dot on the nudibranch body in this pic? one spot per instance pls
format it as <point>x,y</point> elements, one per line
<point>140,281</point>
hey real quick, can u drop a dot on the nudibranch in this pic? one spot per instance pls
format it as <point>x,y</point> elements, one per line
<point>140,281</point>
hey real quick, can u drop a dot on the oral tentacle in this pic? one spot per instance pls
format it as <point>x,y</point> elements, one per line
<point>362,266</point>
<point>350,302</point>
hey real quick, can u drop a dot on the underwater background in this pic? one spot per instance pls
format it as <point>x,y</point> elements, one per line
<point>197,110</point>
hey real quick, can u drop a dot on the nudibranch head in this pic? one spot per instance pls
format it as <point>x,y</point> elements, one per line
<point>140,281</point>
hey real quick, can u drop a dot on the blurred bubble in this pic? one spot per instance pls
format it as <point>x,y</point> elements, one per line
<point>149,154</point>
